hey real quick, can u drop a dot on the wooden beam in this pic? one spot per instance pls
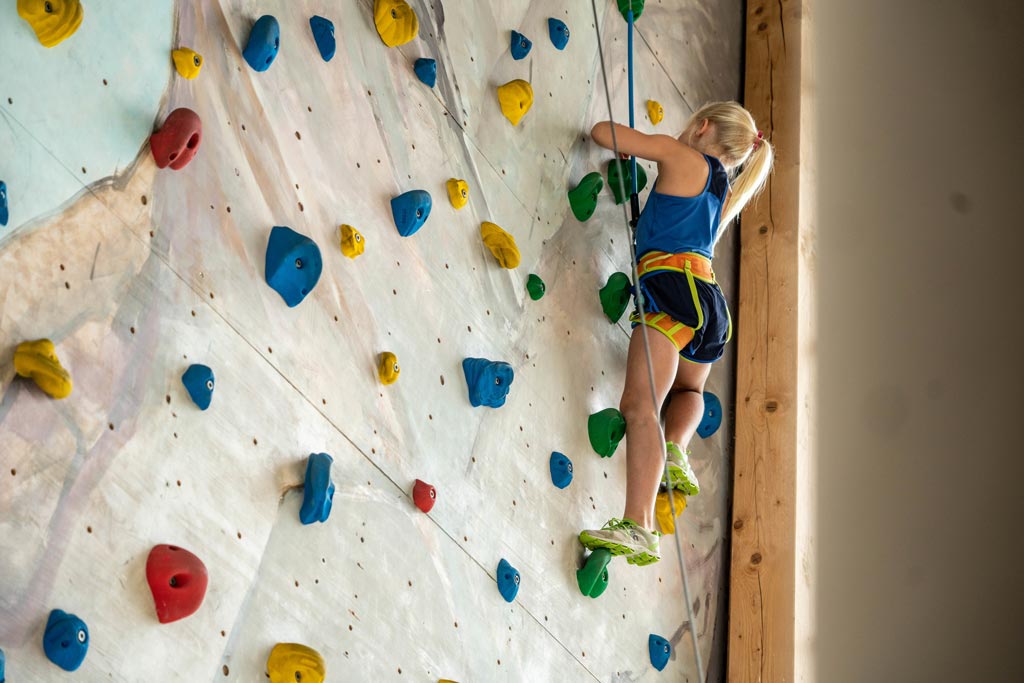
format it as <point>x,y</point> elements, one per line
<point>761,645</point>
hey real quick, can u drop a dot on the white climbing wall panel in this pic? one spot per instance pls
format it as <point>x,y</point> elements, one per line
<point>136,273</point>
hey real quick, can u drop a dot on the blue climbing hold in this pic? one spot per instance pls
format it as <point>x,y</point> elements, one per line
<point>410,211</point>
<point>198,381</point>
<point>561,470</point>
<point>520,45</point>
<point>66,640</point>
<point>264,42</point>
<point>559,33</point>
<point>4,215</point>
<point>488,381</point>
<point>660,650</point>
<point>426,71</point>
<point>318,491</point>
<point>293,264</point>
<point>2,666</point>
<point>712,418</point>
<point>323,34</point>
<point>508,580</point>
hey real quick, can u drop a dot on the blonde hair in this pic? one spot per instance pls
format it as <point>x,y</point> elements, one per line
<point>737,140</point>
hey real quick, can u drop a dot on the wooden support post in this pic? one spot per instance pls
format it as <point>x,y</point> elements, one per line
<point>761,646</point>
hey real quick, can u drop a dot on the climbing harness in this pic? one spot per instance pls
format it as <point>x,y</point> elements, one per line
<point>626,6</point>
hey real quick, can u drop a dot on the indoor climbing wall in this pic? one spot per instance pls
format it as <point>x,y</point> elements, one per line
<point>136,273</point>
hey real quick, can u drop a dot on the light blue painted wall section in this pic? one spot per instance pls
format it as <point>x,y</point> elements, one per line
<point>57,116</point>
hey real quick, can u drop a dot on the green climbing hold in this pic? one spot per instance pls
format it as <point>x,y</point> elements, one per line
<point>593,577</point>
<point>620,179</point>
<point>583,199</point>
<point>615,296</point>
<point>535,286</point>
<point>606,429</point>
<point>636,5</point>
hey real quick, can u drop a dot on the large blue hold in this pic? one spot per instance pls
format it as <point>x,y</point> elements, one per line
<point>198,381</point>
<point>520,45</point>
<point>2,679</point>
<point>4,215</point>
<point>426,70</point>
<point>293,264</point>
<point>712,418</point>
<point>318,491</point>
<point>561,470</point>
<point>264,42</point>
<point>559,33</point>
<point>66,640</point>
<point>488,380</point>
<point>508,580</point>
<point>410,211</point>
<point>323,34</point>
<point>660,650</point>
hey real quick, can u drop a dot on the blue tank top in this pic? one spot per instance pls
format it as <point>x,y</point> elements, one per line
<point>680,224</point>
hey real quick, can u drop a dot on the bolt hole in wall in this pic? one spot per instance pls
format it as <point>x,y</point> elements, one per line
<point>185,168</point>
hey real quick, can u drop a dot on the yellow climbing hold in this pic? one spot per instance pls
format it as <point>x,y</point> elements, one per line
<point>516,98</point>
<point>290,662</point>
<point>655,111</point>
<point>37,360</point>
<point>458,192</point>
<point>396,22</point>
<point>352,242</point>
<point>663,511</point>
<point>501,244</point>
<point>52,20</point>
<point>388,369</point>
<point>187,61</point>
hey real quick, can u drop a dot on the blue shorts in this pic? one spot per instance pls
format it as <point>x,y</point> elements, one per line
<point>687,307</point>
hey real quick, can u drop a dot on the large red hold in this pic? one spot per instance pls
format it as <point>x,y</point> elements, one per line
<point>424,495</point>
<point>177,141</point>
<point>178,581</point>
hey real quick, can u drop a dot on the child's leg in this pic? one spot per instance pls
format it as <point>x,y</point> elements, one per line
<point>686,402</point>
<point>645,449</point>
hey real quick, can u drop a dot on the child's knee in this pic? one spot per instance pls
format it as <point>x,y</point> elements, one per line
<point>635,408</point>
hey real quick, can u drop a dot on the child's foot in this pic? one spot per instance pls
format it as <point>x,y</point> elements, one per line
<point>625,537</point>
<point>680,474</point>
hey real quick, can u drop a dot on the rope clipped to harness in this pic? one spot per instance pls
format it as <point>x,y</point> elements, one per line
<point>631,10</point>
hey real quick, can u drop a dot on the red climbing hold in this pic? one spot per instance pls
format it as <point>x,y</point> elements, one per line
<point>178,581</point>
<point>424,495</point>
<point>177,141</point>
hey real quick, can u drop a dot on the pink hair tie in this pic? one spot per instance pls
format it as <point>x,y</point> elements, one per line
<point>757,142</point>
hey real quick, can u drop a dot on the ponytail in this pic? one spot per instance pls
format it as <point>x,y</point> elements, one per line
<point>750,181</point>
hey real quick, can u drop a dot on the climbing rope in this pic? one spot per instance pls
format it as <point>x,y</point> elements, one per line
<point>634,199</point>
<point>630,225</point>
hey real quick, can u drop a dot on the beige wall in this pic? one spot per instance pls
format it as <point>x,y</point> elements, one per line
<point>919,456</point>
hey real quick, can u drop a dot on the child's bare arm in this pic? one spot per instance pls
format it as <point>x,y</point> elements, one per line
<point>682,170</point>
<point>634,143</point>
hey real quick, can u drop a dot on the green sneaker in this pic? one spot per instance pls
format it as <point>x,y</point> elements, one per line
<point>680,474</point>
<point>625,537</point>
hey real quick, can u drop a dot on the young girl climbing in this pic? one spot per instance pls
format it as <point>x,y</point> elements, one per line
<point>687,316</point>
